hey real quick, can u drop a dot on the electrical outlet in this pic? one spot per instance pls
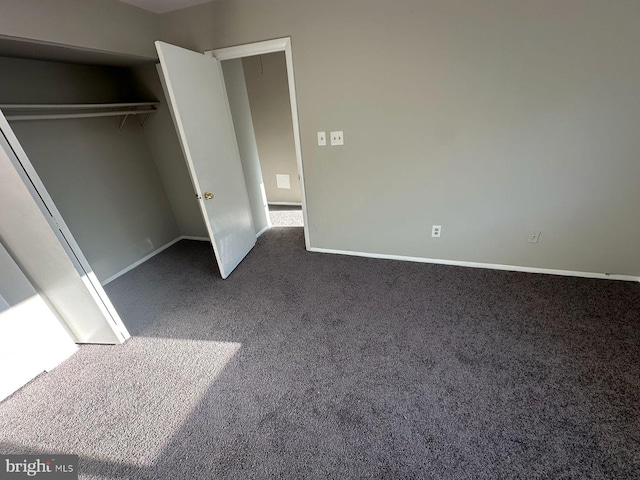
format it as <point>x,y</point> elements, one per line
<point>337,138</point>
<point>533,237</point>
<point>322,139</point>
<point>436,230</point>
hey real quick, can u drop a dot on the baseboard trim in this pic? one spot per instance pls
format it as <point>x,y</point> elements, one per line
<point>491,266</point>
<point>150,256</point>
<point>262,231</point>
<point>286,204</point>
<point>139,262</point>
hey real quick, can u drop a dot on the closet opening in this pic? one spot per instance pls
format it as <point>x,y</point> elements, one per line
<point>74,128</point>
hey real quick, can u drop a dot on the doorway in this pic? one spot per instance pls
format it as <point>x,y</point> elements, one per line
<point>271,143</point>
<point>268,91</point>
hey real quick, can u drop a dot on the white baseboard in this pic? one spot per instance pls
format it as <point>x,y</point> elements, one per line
<point>491,266</point>
<point>151,255</point>
<point>263,230</point>
<point>139,262</point>
<point>286,204</point>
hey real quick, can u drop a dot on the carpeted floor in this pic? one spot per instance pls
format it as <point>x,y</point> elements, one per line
<point>304,365</point>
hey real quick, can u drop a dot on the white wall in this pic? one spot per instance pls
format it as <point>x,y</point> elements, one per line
<point>103,181</point>
<point>268,89</point>
<point>243,124</point>
<point>492,119</point>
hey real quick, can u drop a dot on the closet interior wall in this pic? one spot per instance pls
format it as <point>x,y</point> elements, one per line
<point>103,179</point>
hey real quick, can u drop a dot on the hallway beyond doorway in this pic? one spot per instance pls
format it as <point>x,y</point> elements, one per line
<point>286,215</point>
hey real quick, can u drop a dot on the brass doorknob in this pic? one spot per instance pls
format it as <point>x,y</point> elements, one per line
<point>208,195</point>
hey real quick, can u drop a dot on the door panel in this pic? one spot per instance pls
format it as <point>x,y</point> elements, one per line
<point>32,339</point>
<point>196,93</point>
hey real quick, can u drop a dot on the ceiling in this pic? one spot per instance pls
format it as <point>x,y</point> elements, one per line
<point>164,6</point>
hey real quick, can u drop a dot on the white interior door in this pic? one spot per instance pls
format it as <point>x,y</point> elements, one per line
<point>195,88</point>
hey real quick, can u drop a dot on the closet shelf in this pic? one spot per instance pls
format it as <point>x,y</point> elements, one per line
<point>56,111</point>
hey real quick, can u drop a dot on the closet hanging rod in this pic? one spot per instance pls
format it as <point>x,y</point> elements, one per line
<point>73,106</point>
<point>58,116</point>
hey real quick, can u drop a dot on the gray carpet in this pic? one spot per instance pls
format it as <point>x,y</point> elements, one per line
<point>305,365</point>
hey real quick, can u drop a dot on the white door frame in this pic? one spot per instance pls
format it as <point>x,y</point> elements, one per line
<point>261,48</point>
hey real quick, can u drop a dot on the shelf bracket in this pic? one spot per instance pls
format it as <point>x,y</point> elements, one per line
<point>144,122</point>
<point>122,123</point>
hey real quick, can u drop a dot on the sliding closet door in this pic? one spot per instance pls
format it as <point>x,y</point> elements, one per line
<point>198,100</point>
<point>36,237</point>
<point>32,339</point>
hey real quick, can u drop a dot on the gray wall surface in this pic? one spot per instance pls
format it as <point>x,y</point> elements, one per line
<point>15,288</point>
<point>97,25</point>
<point>162,139</point>
<point>104,181</point>
<point>492,119</point>
<point>268,89</point>
<point>243,124</point>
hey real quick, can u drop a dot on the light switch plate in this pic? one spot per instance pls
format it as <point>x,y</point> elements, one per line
<point>322,139</point>
<point>337,138</point>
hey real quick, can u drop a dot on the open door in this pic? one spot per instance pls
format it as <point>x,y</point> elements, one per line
<point>195,89</point>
